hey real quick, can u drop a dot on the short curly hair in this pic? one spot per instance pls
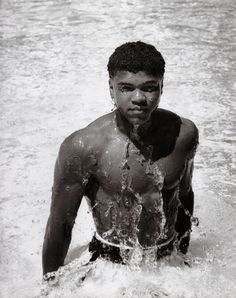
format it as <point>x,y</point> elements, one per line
<point>134,57</point>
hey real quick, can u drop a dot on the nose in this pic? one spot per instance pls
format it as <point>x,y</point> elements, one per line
<point>138,97</point>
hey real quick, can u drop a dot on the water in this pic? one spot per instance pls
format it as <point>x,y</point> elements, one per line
<point>54,81</point>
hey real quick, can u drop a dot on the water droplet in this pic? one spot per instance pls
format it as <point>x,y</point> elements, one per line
<point>195,221</point>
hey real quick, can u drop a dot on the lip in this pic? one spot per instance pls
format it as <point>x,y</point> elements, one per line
<point>138,111</point>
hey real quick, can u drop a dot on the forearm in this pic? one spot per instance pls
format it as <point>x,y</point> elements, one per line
<point>187,202</point>
<point>186,194</point>
<point>184,223</point>
<point>56,243</point>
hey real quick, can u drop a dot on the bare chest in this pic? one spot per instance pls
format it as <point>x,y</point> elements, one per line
<point>122,166</point>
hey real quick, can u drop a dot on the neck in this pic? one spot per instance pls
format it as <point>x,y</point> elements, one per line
<point>133,131</point>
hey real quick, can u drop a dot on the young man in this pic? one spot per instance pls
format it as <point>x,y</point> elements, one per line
<point>134,165</point>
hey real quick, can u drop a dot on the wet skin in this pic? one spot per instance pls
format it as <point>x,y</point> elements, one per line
<point>134,165</point>
<point>136,95</point>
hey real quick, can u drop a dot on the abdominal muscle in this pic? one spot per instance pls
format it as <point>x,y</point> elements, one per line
<point>128,206</point>
<point>131,219</point>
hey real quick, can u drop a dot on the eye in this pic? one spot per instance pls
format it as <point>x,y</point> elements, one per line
<point>150,88</point>
<point>126,88</point>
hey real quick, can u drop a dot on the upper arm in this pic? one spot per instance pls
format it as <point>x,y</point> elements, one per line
<point>191,138</point>
<point>190,141</point>
<point>70,177</point>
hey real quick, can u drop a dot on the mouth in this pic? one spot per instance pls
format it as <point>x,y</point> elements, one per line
<point>138,111</point>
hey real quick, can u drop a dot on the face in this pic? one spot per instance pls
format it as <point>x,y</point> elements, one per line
<point>136,95</point>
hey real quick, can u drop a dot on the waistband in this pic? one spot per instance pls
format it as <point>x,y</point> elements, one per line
<point>158,246</point>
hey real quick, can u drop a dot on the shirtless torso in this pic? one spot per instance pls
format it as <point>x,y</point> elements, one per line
<point>133,184</point>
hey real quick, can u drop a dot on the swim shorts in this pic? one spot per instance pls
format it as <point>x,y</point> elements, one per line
<point>113,253</point>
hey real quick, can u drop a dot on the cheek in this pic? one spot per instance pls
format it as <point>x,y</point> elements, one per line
<point>154,100</point>
<point>121,98</point>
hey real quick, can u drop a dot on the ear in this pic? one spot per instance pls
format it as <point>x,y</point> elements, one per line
<point>162,85</point>
<point>111,88</point>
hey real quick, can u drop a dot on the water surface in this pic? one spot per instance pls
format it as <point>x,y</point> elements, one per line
<point>53,81</point>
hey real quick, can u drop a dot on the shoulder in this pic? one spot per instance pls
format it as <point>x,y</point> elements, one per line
<point>167,122</point>
<point>101,124</point>
<point>188,139</point>
<point>189,135</point>
<point>184,130</point>
<point>188,128</point>
<point>83,141</point>
<point>77,154</point>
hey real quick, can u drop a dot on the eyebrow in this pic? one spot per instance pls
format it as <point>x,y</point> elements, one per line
<point>150,82</point>
<point>125,83</point>
<point>145,83</point>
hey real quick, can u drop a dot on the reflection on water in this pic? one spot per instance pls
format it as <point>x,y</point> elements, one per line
<point>53,81</point>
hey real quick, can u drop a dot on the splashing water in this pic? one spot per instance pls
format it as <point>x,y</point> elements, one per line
<point>50,56</point>
<point>97,279</point>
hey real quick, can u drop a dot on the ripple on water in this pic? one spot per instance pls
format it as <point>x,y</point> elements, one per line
<point>53,60</point>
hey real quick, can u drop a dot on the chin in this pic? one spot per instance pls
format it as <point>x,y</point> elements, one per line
<point>138,120</point>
